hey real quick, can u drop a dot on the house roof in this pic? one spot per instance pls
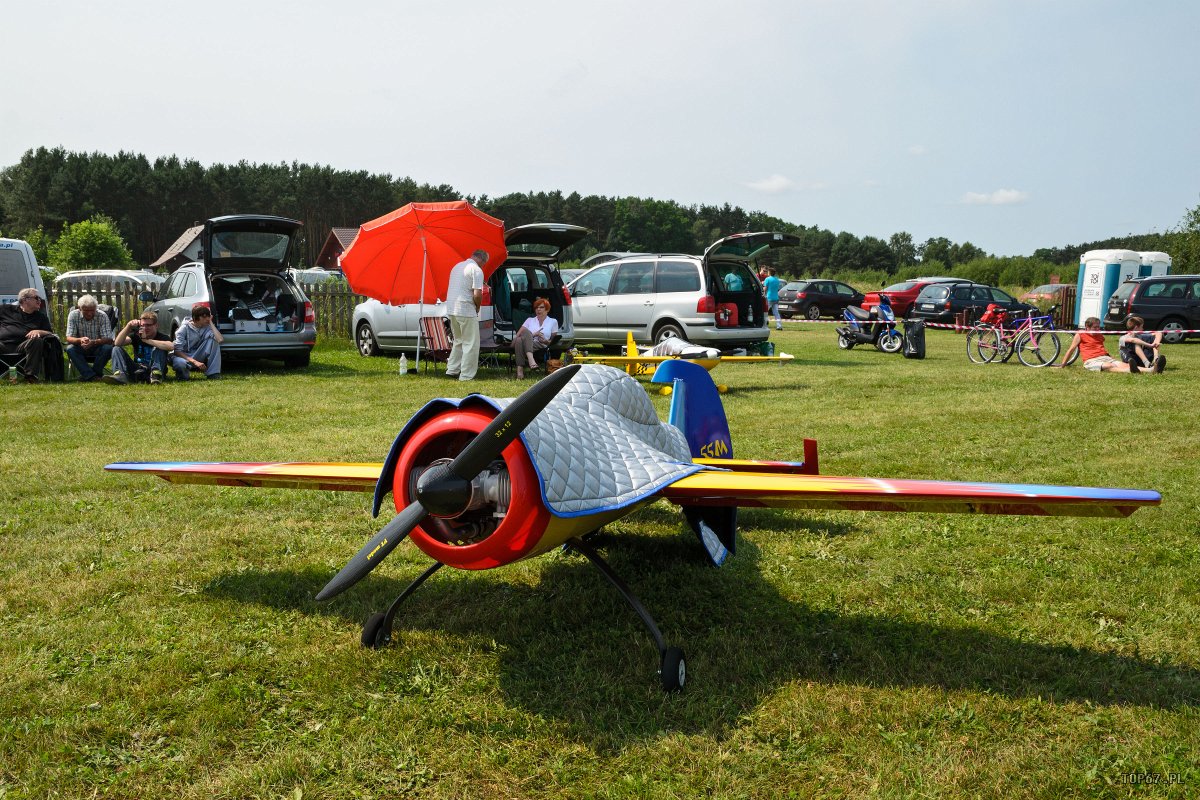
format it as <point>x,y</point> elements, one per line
<point>335,244</point>
<point>174,256</point>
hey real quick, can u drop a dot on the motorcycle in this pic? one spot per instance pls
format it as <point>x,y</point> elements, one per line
<point>877,327</point>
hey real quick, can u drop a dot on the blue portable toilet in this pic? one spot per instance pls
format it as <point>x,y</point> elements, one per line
<point>1154,263</point>
<point>1100,273</point>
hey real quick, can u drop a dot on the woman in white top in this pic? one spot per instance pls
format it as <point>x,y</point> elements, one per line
<point>536,334</point>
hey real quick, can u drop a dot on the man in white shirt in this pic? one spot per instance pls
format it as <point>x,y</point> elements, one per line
<point>464,294</point>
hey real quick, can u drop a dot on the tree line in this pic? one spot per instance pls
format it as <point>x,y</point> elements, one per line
<point>151,203</point>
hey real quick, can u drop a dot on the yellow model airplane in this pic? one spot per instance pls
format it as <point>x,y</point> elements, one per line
<point>638,362</point>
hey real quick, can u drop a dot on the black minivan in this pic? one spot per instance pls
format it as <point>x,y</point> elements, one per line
<point>1168,303</point>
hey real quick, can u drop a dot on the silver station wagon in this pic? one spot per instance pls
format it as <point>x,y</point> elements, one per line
<point>243,277</point>
<point>714,300</point>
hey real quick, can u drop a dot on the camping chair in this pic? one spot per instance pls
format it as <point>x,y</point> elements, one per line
<point>435,340</point>
<point>489,349</point>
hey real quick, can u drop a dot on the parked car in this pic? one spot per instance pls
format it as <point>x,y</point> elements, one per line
<point>571,274</point>
<point>713,300</point>
<point>243,277</point>
<point>1169,303</point>
<point>1046,293</point>
<point>140,280</point>
<point>940,302</point>
<point>18,270</point>
<point>596,259</point>
<point>903,294</point>
<point>530,271</point>
<point>316,275</point>
<point>815,298</point>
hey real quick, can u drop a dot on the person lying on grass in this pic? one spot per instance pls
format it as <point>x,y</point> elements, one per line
<point>1090,344</point>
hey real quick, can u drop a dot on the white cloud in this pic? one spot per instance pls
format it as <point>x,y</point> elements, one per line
<point>918,150</point>
<point>775,184</point>
<point>1000,197</point>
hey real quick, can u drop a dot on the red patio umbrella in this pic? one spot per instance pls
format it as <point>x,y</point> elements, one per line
<point>406,256</point>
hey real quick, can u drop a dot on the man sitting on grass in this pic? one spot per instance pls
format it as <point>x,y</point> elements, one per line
<point>150,349</point>
<point>1090,344</point>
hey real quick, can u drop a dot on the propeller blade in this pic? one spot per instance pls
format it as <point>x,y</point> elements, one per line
<point>375,550</point>
<point>508,424</point>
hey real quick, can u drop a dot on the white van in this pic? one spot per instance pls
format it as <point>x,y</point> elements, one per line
<point>18,270</point>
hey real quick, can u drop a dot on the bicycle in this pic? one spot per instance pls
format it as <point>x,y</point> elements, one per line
<point>1034,339</point>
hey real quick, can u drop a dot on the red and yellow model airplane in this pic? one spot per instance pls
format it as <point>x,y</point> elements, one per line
<point>478,483</point>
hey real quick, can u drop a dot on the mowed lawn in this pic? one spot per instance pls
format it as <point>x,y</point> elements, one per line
<point>163,641</point>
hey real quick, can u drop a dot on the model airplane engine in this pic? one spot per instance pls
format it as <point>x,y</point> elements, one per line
<point>471,524</point>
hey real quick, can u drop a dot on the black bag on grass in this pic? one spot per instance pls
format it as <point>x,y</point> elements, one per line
<point>914,338</point>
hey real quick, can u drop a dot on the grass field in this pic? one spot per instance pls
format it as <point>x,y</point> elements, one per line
<point>163,641</point>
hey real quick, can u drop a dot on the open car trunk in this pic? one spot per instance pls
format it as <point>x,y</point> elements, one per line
<point>255,303</point>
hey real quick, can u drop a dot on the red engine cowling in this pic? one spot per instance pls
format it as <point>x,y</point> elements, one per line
<point>475,539</point>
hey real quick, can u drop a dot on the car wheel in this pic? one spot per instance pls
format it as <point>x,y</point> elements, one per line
<point>364,337</point>
<point>667,330</point>
<point>1171,328</point>
<point>813,311</point>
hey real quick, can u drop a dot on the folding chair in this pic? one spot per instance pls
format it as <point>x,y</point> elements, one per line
<point>435,340</point>
<point>489,349</point>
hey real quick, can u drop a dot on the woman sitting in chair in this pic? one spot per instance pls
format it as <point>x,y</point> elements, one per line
<point>538,332</point>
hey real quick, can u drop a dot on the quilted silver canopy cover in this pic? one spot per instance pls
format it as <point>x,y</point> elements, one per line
<point>600,445</point>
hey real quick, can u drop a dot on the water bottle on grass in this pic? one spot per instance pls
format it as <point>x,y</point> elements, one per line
<point>403,364</point>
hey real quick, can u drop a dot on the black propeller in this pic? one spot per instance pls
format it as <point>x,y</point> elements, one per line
<point>445,490</point>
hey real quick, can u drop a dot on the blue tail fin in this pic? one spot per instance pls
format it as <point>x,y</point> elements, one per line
<point>696,410</point>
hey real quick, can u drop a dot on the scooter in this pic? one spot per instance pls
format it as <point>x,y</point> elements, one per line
<point>877,327</point>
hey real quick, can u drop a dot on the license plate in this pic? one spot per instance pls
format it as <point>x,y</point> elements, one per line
<point>927,306</point>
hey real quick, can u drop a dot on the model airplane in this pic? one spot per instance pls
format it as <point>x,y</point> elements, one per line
<point>639,361</point>
<point>479,483</point>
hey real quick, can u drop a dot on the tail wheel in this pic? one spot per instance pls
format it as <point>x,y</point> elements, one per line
<point>1038,348</point>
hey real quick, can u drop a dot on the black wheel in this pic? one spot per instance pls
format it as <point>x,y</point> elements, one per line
<point>845,342</point>
<point>666,331</point>
<point>373,635</point>
<point>813,311</point>
<point>1038,348</point>
<point>1171,328</point>
<point>364,337</point>
<point>890,342</point>
<point>673,670</point>
<point>973,351</point>
<point>295,362</point>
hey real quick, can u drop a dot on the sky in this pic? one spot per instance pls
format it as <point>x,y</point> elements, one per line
<point>1010,124</point>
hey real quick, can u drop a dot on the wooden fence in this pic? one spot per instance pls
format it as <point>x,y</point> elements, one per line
<point>333,304</point>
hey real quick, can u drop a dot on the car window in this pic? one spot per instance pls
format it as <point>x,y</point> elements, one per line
<point>541,279</point>
<point>844,290</point>
<point>677,276</point>
<point>982,295</point>
<point>1124,290</point>
<point>797,286</point>
<point>174,287</point>
<point>1001,296</point>
<point>1168,290</point>
<point>900,287</point>
<point>734,277</point>
<point>594,283</point>
<point>962,292</point>
<point>1196,290</point>
<point>634,277</point>
<point>935,293</point>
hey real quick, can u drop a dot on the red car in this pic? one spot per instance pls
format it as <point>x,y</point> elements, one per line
<point>902,294</point>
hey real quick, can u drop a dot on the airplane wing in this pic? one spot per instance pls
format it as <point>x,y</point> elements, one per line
<point>748,484</point>
<point>335,477</point>
<point>782,490</point>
